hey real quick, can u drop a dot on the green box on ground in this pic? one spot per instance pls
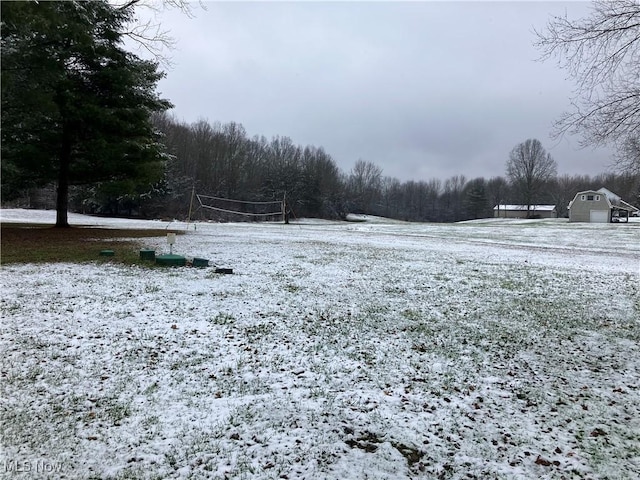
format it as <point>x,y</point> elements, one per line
<point>171,260</point>
<point>148,255</point>
<point>200,262</point>
<point>107,253</point>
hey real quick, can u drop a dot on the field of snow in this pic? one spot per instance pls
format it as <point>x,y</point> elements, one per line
<point>372,350</point>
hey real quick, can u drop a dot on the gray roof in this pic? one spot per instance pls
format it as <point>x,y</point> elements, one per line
<point>537,208</point>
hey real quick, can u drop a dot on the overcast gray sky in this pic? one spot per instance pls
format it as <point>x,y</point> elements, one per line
<point>422,89</point>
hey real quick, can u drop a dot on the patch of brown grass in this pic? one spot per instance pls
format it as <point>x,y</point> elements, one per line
<point>31,243</point>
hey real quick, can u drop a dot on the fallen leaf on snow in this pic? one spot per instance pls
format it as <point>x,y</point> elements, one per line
<point>542,461</point>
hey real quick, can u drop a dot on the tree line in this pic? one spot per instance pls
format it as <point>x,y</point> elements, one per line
<point>222,160</point>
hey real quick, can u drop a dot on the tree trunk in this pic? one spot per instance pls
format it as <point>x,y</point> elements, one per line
<point>62,200</point>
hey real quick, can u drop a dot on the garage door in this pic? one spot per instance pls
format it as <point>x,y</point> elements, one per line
<point>599,216</point>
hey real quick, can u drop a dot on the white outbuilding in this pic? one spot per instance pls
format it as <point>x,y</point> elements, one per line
<point>524,211</point>
<point>599,206</point>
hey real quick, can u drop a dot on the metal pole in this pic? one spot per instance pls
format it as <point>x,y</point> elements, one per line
<point>193,191</point>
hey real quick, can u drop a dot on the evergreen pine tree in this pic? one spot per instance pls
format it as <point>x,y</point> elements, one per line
<point>76,105</point>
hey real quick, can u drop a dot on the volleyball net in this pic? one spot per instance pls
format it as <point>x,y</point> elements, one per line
<point>227,209</point>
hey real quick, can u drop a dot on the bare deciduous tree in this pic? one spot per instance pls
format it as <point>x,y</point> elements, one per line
<point>365,183</point>
<point>452,197</point>
<point>497,191</point>
<point>627,158</point>
<point>529,167</point>
<point>602,53</point>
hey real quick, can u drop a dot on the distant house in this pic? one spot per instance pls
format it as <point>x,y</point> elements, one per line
<point>521,211</point>
<point>599,206</point>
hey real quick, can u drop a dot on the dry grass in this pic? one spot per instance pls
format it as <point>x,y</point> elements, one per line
<point>43,244</point>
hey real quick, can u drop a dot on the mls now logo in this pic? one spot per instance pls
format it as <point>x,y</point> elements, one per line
<point>26,466</point>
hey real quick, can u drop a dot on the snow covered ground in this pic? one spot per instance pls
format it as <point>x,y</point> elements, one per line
<point>378,350</point>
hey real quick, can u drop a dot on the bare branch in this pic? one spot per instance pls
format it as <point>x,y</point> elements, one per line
<point>602,54</point>
<point>627,158</point>
<point>148,35</point>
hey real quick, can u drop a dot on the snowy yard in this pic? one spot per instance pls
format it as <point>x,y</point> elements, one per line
<point>497,349</point>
